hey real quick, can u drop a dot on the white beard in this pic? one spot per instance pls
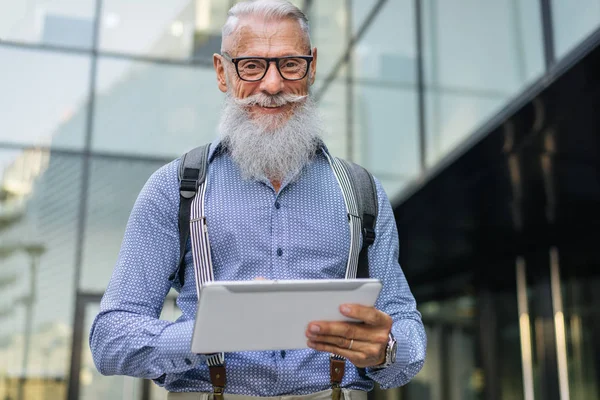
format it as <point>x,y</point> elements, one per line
<point>267,146</point>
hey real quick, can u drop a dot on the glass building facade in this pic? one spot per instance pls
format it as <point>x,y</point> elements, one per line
<point>95,95</point>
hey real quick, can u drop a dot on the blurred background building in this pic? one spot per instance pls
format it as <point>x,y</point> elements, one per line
<point>478,116</point>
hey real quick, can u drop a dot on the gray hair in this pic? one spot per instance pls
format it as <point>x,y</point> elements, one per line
<point>269,10</point>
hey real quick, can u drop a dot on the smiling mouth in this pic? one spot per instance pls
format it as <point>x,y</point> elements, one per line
<point>271,108</point>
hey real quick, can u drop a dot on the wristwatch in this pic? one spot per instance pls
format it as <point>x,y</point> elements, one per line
<point>390,353</point>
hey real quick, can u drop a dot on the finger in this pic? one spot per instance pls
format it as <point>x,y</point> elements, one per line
<point>349,330</point>
<point>357,358</point>
<point>341,342</point>
<point>368,315</point>
<point>350,354</point>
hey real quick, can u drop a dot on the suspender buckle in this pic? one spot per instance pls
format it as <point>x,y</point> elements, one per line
<point>218,392</point>
<point>187,188</point>
<point>368,236</point>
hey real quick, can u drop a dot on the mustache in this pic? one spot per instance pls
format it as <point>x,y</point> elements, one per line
<point>266,100</point>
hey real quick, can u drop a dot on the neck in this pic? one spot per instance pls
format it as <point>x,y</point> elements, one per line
<point>276,185</point>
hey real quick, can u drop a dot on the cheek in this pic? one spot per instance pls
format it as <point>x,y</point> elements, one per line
<point>244,89</point>
<point>298,88</point>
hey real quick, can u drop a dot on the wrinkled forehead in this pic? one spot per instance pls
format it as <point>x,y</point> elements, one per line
<point>267,38</point>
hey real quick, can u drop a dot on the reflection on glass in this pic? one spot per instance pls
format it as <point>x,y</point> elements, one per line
<point>333,109</point>
<point>44,97</point>
<point>93,385</point>
<point>329,25</point>
<point>573,24</point>
<point>379,57</point>
<point>477,55</point>
<point>582,320</point>
<point>451,370</point>
<point>386,137</point>
<point>151,109</point>
<point>454,367</point>
<point>113,188</point>
<point>451,118</point>
<point>38,213</point>
<point>487,45</point>
<point>59,22</point>
<point>176,29</point>
<point>360,12</point>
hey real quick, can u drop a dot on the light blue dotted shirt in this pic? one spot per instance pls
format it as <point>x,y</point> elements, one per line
<point>299,233</point>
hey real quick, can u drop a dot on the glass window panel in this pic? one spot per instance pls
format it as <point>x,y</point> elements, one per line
<point>375,57</point>
<point>58,22</point>
<point>482,44</point>
<point>386,139</point>
<point>475,51</point>
<point>582,327</point>
<point>177,29</point>
<point>39,203</point>
<point>114,187</point>
<point>333,110</point>
<point>573,24</point>
<point>360,12</point>
<point>452,117</point>
<point>154,109</point>
<point>329,34</point>
<point>393,184</point>
<point>43,98</point>
<point>93,385</point>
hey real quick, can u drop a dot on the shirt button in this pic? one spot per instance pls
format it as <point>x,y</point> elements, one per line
<point>277,205</point>
<point>279,252</point>
<point>282,353</point>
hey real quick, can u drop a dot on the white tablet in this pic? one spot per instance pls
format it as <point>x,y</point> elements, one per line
<point>272,315</point>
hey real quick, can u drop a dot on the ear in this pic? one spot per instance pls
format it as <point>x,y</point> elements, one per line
<point>313,68</point>
<point>219,65</point>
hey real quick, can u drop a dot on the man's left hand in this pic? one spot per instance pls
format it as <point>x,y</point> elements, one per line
<point>363,344</point>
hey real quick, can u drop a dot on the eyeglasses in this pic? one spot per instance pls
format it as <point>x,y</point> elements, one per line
<point>254,69</point>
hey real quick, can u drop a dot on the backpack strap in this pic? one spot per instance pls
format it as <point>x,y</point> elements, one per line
<point>365,191</point>
<point>360,195</point>
<point>192,173</point>
<point>362,188</point>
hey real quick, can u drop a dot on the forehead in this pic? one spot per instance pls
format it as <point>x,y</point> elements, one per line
<point>258,37</point>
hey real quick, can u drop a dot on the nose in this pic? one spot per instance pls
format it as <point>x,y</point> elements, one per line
<point>272,82</point>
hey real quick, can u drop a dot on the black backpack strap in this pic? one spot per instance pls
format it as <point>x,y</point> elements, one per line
<point>192,173</point>
<point>368,208</point>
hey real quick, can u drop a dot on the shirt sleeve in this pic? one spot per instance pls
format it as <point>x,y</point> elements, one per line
<point>396,300</point>
<point>127,336</point>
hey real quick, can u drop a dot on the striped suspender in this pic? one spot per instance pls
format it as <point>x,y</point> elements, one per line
<point>338,363</point>
<point>203,267</point>
<point>204,273</point>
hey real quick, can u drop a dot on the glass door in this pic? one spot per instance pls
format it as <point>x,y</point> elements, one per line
<point>89,384</point>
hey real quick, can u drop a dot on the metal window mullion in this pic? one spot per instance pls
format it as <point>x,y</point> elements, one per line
<point>75,362</point>
<point>420,85</point>
<point>548,33</point>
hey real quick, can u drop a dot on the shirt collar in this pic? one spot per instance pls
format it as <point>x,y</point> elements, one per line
<point>216,148</point>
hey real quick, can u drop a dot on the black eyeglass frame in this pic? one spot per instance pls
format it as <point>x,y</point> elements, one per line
<point>269,60</point>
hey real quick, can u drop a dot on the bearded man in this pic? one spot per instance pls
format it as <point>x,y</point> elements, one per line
<point>274,210</point>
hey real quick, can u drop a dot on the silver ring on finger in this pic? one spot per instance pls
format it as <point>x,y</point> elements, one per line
<point>351,343</point>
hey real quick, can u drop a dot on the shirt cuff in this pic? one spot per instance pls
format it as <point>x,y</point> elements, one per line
<point>390,372</point>
<point>174,348</point>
